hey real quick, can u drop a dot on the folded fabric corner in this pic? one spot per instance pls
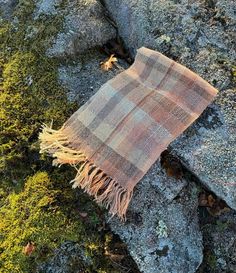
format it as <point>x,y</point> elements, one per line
<point>114,138</point>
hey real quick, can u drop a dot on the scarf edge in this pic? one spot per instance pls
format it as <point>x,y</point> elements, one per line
<point>105,190</point>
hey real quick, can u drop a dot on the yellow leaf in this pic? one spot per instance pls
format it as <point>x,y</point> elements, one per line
<point>109,63</point>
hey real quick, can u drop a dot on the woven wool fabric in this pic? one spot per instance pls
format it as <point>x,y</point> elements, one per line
<point>115,137</point>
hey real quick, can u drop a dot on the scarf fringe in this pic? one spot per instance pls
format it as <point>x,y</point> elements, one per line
<point>89,177</point>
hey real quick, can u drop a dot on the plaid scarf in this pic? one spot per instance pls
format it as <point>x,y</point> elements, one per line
<point>114,138</point>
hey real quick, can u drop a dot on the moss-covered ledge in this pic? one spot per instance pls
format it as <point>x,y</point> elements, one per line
<point>37,205</point>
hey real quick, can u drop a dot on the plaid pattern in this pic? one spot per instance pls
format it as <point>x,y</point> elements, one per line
<point>126,125</point>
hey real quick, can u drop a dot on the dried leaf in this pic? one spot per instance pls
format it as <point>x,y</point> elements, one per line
<point>217,211</point>
<point>202,200</point>
<point>109,63</point>
<point>172,165</point>
<point>211,201</point>
<point>218,208</point>
<point>29,249</point>
<point>214,205</point>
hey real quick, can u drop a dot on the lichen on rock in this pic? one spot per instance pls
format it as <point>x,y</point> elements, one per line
<point>84,27</point>
<point>50,50</point>
<point>200,36</point>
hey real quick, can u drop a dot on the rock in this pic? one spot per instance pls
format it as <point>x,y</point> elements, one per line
<point>200,35</point>
<point>175,27</point>
<point>162,234</point>
<point>68,258</point>
<point>219,243</point>
<point>83,77</point>
<point>156,192</point>
<point>208,147</point>
<point>47,7</point>
<point>7,8</point>
<point>84,26</point>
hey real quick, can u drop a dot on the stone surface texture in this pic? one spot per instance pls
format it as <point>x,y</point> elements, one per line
<point>162,234</point>
<point>162,230</point>
<point>84,26</point>
<point>200,35</point>
<point>208,147</point>
<point>83,76</point>
<point>69,258</point>
<point>219,244</point>
<point>7,7</point>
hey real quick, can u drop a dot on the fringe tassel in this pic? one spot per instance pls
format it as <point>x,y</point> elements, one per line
<point>90,178</point>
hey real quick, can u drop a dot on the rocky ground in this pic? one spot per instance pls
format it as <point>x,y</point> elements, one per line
<point>168,229</point>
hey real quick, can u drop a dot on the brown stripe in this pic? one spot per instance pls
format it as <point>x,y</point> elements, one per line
<point>110,105</point>
<point>124,91</point>
<point>89,139</point>
<point>158,64</point>
<point>175,74</point>
<point>148,67</point>
<point>171,107</point>
<point>166,77</point>
<point>202,91</point>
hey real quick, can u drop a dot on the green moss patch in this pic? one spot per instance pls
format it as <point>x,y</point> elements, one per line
<point>37,205</point>
<point>30,92</point>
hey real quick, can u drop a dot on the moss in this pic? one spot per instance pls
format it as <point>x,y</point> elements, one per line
<point>31,96</point>
<point>45,213</point>
<point>211,261</point>
<point>44,209</point>
<point>233,71</point>
<point>33,215</point>
<point>222,226</point>
<point>30,92</point>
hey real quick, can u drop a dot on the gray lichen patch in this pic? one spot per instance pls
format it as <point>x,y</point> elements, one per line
<point>85,27</point>
<point>180,249</point>
<point>162,229</point>
<point>47,7</point>
<point>199,35</point>
<point>208,147</point>
<point>83,76</point>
